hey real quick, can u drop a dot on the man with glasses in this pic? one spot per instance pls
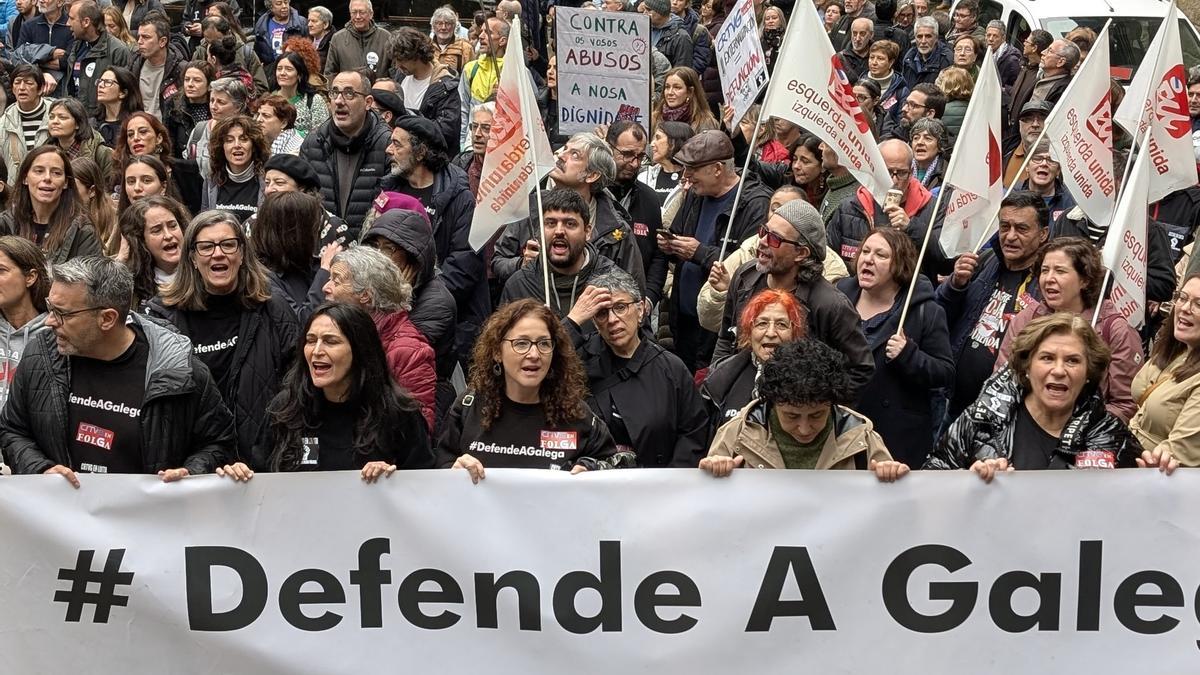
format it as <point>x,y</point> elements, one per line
<point>93,52</point>
<point>700,226</point>
<point>1029,129</point>
<point>1032,47</point>
<point>966,22</point>
<point>349,151</point>
<point>479,130</point>
<point>859,215</point>
<point>628,141</point>
<point>450,42</point>
<point>107,391</point>
<point>361,44</point>
<point>586,166</point>
<point>791,251</point>
<point>928,56</point>
<point>1058,64</point>
<point>574,262</point>
<point>1045,180</point>
<point>925,100</point>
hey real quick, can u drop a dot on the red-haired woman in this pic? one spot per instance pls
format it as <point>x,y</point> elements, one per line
<point>525,405</point>
<point>771,318</point>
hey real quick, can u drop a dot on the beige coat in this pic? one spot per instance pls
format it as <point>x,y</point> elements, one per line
<point>1170,417</point>
<point>710,304</point>
<point>749,435</point>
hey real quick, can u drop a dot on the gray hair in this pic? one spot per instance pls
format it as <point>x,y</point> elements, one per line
<point>617,280</point>
<point>235,89</point>
<point>935,128</point>
<point>998,25</point>
<point>870,23</point>
<point>109,284</point>
<point>599,158</point>
<point>926,22</point>
<point>323,14</point>
<point>370,7</point>
<point>488,107</point>
<point>443,13</point>
<point>1071,54</point>
<point>375,273</point>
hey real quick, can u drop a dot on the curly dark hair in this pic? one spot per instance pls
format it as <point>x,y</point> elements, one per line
<point>564,388</point>
<point>260,151</point>
<point>410,44</point>
<point>297,407</point>
<point>805,372</point>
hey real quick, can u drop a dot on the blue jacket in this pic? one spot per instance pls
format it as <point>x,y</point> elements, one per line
<point>914,70</point>
<point>965,306</point>
<point>38,31</point>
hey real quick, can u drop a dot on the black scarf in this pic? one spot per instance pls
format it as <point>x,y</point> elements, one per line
<point>347,144</point>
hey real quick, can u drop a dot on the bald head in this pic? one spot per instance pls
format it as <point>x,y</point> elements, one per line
<point>898,158</point>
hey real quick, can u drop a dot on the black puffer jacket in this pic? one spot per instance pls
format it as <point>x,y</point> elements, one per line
<point>267,339</point>
<point>985,429</point>
<point>370,145</point>
<point>649,403</point>
<point>184,423</point>
<point>675,43</point>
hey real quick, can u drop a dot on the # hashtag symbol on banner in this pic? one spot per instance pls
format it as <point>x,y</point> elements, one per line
<point>108,578</point>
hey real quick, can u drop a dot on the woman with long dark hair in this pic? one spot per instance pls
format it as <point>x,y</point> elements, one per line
<point>238,153</point>
<point>118,95</point>
<point>663,173</point>
<point>153,227</point>
<point>71,130</point>
<point>527,391</point>
<point>189,106</point>
<point>221,299</point>
<point>144,176</point>
<point>287,250</point>
<point>338,407</point>
<point>93,192</point>
<point>142,134</point>
<point>47,210</point>
<point>683,101</point>
<point>24,285</point>
<point>292,80</point>
<point>807,172</point>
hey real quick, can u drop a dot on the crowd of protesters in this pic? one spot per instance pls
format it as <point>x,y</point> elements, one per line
<point>234,244</point>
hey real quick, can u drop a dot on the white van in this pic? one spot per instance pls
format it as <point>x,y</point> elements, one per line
<point>1134,23</point>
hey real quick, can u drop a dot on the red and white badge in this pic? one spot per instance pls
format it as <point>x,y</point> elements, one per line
<point>1096,459</point>
<point>94,435</point>
<point>641,230</point>
<point>848,252</point>
<point>560,440</point>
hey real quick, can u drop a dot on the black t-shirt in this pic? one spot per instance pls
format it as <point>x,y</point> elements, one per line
<point>39,233</point>
<point>331,447</point>
<point>214,335</point>
<point>424,194</point>
<point>240,199</point>
<point>664,183</point>
<point>104,410</point>
<point>1033,447</point>
<point>1009,297</point>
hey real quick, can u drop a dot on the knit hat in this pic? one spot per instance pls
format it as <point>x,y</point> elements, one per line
<point>658,6</point>
<point>808,224</point>
<point>390,201</point>
<point>297,169</point>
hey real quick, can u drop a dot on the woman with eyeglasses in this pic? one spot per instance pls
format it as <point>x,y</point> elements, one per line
<point>221,299</point>
<point>71,130</point>
<point>525,406</point>
<point>238,154</point>
<point>1167,388</point>
<point>154,229</point>
<point>292,82</point>
<point>968,51</point>
<point>338,407</point>
<point>1071,278</point>
<point>912,361</point>
<point>118,95</point>
<point>771,318</point>
<point>47,208</point>
<point>644,393</point>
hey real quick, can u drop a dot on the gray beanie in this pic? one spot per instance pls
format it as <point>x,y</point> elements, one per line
<point>808,224</point>
<point>659,6</point>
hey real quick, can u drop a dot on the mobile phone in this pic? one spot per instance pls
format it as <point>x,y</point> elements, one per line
<point>666,233</point>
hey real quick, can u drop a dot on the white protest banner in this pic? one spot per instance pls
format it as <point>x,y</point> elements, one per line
<point>975,172</point>
<point>1080,134</point>
<point>1157,98</point>
<point>1125,247</point>
<point>740,60</point>
<point>518,152</point>
<point>669,572</point>
<point>604,69</point>
<point>812,91</point>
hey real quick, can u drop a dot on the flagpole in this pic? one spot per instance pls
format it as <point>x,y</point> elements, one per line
<point>937,204</point>
<point>737,197</point>
<point>543,253</point>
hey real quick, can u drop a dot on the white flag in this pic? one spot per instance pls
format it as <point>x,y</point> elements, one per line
<point>813,92</point>
<point>518,138</point>
<point>1157,98</point>
<point>1080,134</point>
<point>1125,246</point>
<point>975,172</point>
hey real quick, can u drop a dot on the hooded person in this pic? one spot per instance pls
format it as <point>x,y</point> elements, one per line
<point>402,232</point>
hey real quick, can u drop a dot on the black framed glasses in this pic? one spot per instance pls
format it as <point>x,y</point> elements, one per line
<point>618,308</point>
<point>774,240</point>
<point>61,316</point>
<point>228,247</point>
<point>522,345</point>
<point>347,94</point>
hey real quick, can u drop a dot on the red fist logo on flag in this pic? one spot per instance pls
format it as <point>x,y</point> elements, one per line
<point>1171,106</point>
<point>843,95</point>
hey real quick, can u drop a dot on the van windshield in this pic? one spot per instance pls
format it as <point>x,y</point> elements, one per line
<point>1129,38</point>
